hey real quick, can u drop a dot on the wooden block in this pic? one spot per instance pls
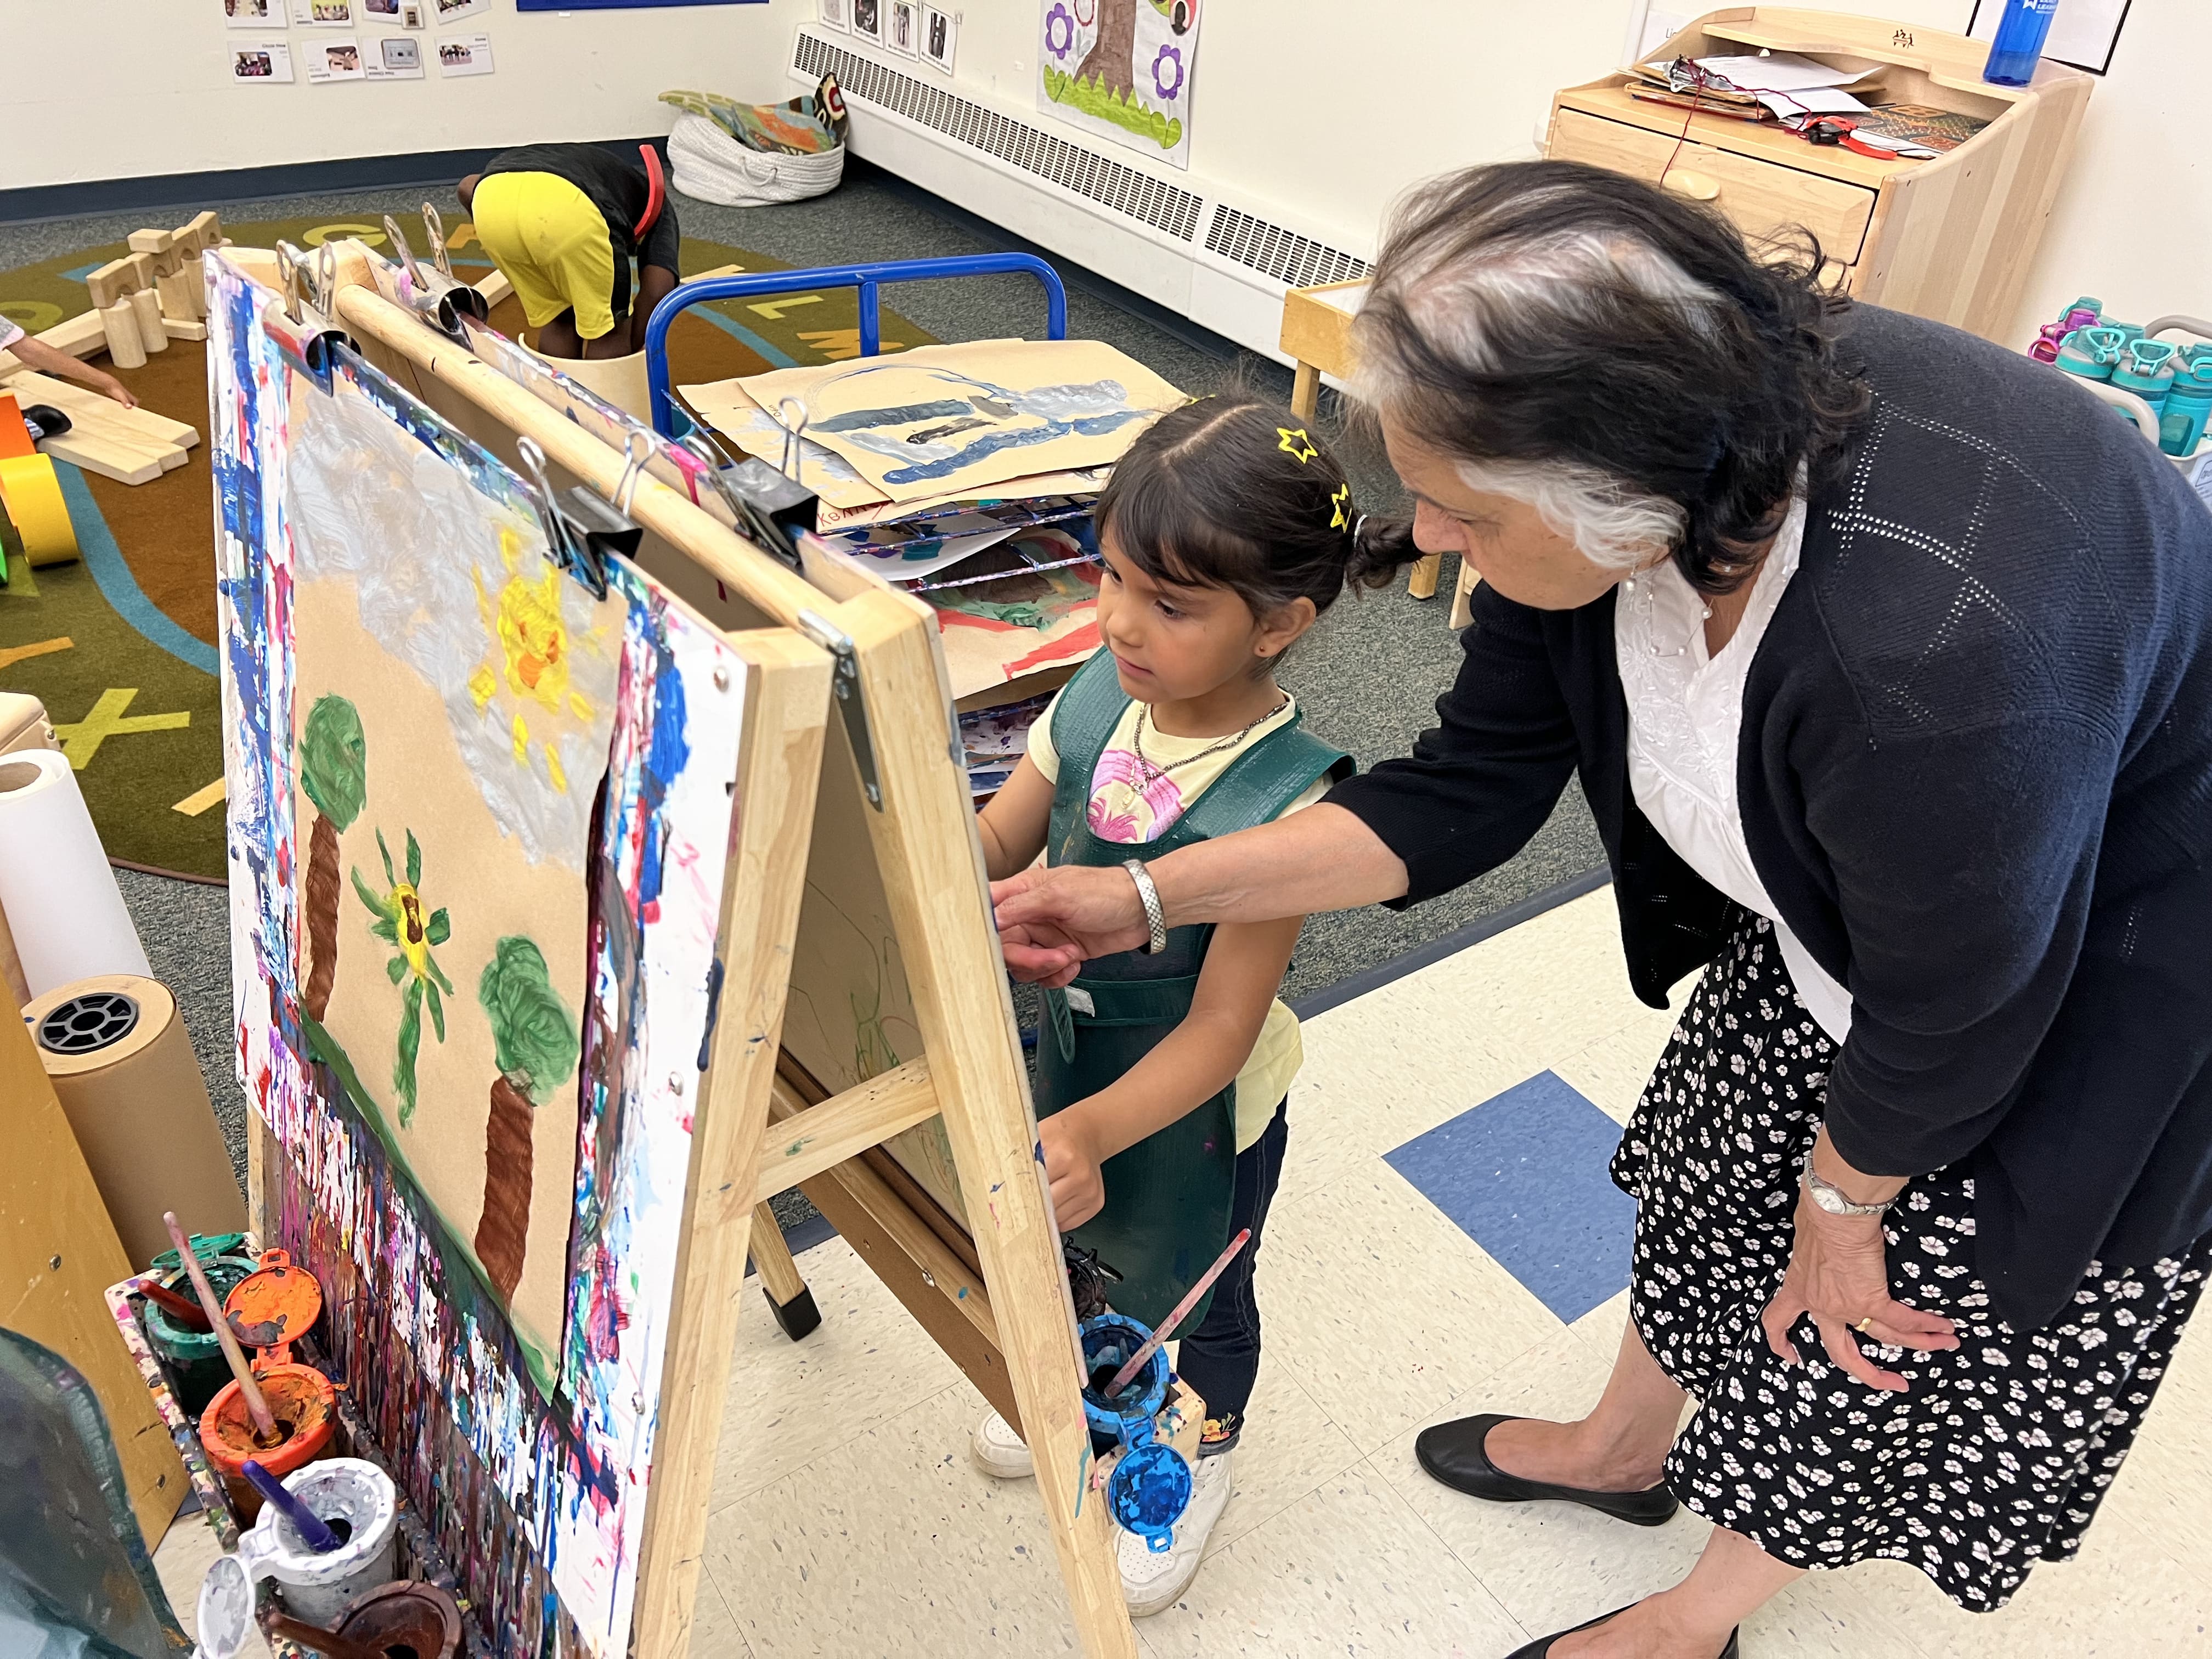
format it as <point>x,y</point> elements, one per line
<point>111,282</point>
<point>161,245</point>
<point>142,270</point>
<point>495,288</point>
<point>200,233</point>
<point>125,463</point>
<point>58,1253</point>
<point>87,408</point>
<point>184,331</point>
<point>126,348</point>
<point>147,304</point>
<point>177,294</point>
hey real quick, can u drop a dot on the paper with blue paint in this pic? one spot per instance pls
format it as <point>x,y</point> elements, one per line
<point>952,418</point>
<point>1524,1176</point>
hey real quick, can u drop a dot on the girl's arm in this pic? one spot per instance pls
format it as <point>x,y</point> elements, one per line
<point>37,355</point>
<point>1244,967</point>
<point>1014,822</point>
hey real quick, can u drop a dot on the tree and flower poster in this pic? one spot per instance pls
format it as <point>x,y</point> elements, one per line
<point>1121,69</point>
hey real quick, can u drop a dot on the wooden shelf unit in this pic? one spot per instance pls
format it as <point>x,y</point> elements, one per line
<point>1950,239</point>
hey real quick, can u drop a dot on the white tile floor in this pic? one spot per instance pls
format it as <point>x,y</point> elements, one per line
<point>849,1522</point>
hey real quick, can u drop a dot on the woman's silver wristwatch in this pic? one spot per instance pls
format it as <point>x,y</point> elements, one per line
<point>1832,1198</point>
<point>1156,921</point>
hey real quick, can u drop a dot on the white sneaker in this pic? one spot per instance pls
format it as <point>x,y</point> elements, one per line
<point>1153,1582</point>
<point>998,1451</point>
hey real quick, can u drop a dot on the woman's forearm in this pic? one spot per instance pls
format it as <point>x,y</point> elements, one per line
<point>1323,859</point>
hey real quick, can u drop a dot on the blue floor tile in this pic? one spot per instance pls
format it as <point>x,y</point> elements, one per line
<point>1523,1174</point>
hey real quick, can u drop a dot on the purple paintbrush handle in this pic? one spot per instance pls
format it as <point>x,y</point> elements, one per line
<point>319,1537</point>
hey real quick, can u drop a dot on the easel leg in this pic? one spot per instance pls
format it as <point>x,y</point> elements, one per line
<point>787,1292</point>
<point>1421,582</point>
<point>958,983</point>
<point>1305,391</point>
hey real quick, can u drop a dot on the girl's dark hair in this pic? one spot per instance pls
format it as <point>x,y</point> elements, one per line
<point>1234,492</point>
<point>1548,312</point>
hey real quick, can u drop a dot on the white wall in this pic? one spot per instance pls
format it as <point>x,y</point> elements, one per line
<point>1296,109</point>
<point>124,89</point>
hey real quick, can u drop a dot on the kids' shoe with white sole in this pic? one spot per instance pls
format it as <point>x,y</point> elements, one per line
<point>1153,1582</point>
<point>998,1451</point>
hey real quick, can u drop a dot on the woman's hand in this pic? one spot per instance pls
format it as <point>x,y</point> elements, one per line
<point>1839,1274</point>
<point>1071,1158</point>
<point>1051,921</point>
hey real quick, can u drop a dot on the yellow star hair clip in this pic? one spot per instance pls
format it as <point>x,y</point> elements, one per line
<point>1342,502</point>
<point>1296,444</point>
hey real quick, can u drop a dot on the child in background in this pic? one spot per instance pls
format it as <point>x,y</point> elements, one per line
<point>1163,1079</point>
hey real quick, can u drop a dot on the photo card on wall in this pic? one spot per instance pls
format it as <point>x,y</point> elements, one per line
<point>262,63</point>
<point>868,21</point>
<point>902,26</point>
<point>940,36</point>
<point>835,15</point>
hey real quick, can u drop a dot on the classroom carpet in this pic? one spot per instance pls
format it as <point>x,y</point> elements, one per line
<point>1366,677</point>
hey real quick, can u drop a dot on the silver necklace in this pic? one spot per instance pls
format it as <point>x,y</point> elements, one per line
<point>1215,748</point>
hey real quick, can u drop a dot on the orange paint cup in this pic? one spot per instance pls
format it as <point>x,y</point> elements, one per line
<point>305,1404</point>
<point>275,1307</point>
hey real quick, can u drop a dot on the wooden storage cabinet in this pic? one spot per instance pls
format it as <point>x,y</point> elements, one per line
<point>1949,238</point>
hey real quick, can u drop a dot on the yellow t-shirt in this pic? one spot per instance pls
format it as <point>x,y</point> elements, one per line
<point>1127,804</point>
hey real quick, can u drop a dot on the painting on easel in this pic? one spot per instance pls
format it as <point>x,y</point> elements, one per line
<point>479,817</point>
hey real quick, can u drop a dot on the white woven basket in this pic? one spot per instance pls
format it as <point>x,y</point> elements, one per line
<point>713,166</point>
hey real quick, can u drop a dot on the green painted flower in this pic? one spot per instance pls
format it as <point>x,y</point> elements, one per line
<point>400,922</point>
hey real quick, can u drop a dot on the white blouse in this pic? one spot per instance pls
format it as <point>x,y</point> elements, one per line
<point>1685,719</point>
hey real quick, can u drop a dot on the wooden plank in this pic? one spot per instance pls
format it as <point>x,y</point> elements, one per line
<point>958,983</point>
<point>177,329</point>
<point>1317,333</point>
<point>89,408</point>
<point>126,463</point>
<point>786,702</point>
<point>59,1254</point>
<point>779,1274</point>
<point>80,337</point>
<point>845,1125</point>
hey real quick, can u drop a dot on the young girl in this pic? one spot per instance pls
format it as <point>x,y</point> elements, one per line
<point>1162,1075</point>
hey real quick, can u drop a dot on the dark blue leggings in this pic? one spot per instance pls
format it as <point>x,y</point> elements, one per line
<point>1221,1357</point>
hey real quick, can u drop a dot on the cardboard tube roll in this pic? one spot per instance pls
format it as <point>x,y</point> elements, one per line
<point>120,1062</point>
<point>63,908</point>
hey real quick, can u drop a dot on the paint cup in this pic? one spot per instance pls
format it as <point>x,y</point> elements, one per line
<point>275,1306</point>
<point>305,1407</point>
<point>192,1358</point>
<point>1150,1486</point>
<point>409,1617</point>
<point>355,1499</point>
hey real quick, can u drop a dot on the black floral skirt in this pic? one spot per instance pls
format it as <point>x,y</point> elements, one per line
<point>1999,1453</point>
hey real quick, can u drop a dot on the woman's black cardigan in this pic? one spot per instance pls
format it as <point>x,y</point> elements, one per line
<point>1976,779</point>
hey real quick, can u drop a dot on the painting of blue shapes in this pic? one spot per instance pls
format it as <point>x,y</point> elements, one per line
<point>1523,1174</point>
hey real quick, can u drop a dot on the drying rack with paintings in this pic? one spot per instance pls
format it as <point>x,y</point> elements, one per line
<point>575,841</point>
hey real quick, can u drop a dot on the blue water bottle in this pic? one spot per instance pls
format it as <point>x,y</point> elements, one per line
<point>2020,41</point>
<point>2181,423</point>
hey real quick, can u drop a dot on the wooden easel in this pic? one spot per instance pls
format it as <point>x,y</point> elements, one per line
<point>891,822</point>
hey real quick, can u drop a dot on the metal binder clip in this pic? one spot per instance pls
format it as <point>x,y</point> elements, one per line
<point>435,295</point>
<point>793,457</point>
<point>570,543</point>
<point>434,227</point>
<point>298,320</point>
<point>610,532</point>
<point>637,449</point>
<point>771,508</point>
<point>290,278</point>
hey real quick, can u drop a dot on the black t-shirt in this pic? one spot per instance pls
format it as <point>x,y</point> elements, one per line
<point>618,188</point>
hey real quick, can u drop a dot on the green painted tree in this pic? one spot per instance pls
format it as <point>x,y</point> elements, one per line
<point>400,922</point>
<point>535,1041</point>
<point>334,771</point>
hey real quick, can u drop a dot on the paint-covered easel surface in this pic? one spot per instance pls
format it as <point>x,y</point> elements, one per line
<point>479,817</point>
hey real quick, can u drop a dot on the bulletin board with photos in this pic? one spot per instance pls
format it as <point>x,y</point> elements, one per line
<point>905,29</point>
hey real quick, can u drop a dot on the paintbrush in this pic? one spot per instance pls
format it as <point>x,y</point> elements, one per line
<point>183,1310</point>
<point>317,1536</point>
<point>1181,1310</point>
<point>264,1421</point>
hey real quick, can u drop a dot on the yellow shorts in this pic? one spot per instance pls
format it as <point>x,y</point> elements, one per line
<point>544,233</point>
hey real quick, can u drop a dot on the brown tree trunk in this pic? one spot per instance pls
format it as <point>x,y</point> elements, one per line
<point>322,916</point>
<point>1111,55</point>
<point>503,1229</point>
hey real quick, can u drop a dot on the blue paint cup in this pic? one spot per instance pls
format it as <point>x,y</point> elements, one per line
<point>1150,1487</point>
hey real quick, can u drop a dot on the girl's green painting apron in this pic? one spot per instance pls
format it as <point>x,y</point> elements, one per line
<point>1168,1197</point>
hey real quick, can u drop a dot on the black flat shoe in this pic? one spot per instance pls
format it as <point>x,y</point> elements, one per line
<point>1452,1452</point>
<point>1541,1649</point>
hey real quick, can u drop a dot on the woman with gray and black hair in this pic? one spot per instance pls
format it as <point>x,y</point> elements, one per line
<point>1885,657</point>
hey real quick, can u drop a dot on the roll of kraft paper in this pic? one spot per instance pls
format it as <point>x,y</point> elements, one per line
<point>65,911</point>
<point>121,1064</point>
